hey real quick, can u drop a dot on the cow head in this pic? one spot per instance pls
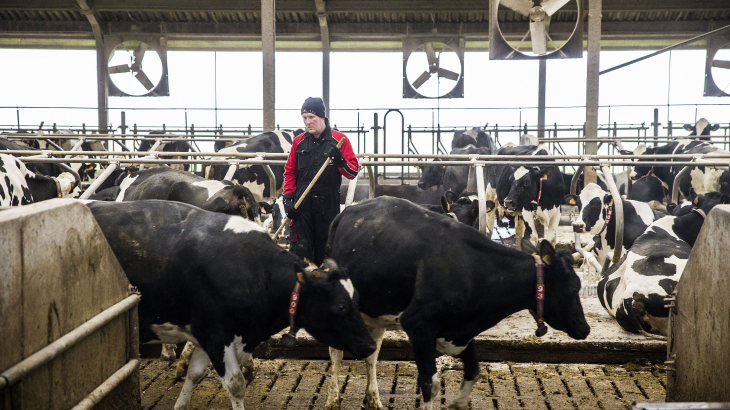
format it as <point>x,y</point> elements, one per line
<point>593,204</point>
<point>562,308</point>
<point>431,175</point>
<point>525,188</point>
<point>702,127</point>
<point>464,208</point>
<point>328,310</point>
<point>641,171</point>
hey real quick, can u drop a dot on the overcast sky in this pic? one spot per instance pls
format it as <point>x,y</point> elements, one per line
<point>505,92</point>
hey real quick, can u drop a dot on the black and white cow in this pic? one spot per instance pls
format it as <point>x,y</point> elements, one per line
<point>443,283</point>
<point>703,127</point>
<point>226,306</point>
<point>47,169</point>
<point>597,216</point>
<point>452,177</point>
<point>475,136</point>
<point>254,177</point>
<point>19,186</point>
<point>702,179</point>
<point>175,185</point>
<point>275,216</point>
<point>527,193</point>
<point>463,208</point>
<point>169,146</point>
<point>633,290</point>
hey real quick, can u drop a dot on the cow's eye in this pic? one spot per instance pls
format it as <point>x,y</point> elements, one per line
<point>342,307</point>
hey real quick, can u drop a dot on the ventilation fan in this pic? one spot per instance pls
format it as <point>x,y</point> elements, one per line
<point>542,45</point>
<point>138,67</point>
<point>717,67</point>
<point>433,69</point>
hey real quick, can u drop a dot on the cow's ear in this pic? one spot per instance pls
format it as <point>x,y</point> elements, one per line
<point>671,207</point>
<point>445,204</point>
<point>640,149</point>
<point>451,196</point>
<point>490,205</point>
<point>547,252</point>
<point>625,152</point>
<point>546,172</point>
<point>572,199</point>
<point>266,207</point>
<point>724,200</point>
<point>417,166</point>
<point>689,127</point>
<point>693,197</point>
<point>475,208</point>
<point>608,199</point>
<point>715,127</point>
<point>329,265</point>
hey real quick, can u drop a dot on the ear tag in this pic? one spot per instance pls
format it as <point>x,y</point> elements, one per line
<point>300,276</point>
<point>694,201</point>
<point>544,177</point>
<point>326,269</point>
<point>572,201</point>
<point>316,273</point>
<point>547,259</point>
<point>610,203</point>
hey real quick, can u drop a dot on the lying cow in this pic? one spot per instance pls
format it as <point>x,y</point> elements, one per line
<point>175,185</point>
<point>527,193</point>
<point>452,177</point>
<point>19,186</point>
<point>226,306</point>
<point>634,289</point>
<point>254,177</point>
<point>597,216</point>
<point>443,283</point>
<point>168,146</point>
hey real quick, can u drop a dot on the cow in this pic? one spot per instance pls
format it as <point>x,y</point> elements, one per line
<point>701,178</point>
<point>703,127</point>
<point>634,289</point>
<point>20,186</point>
<point>475,136</point>
<point>175,185</point>
<point>275,217</point>
<point>453,177</point>
<point>527,193</point>
<point>463,208</point>
<point>220,282</point>
<point>169,146</point>
<point>443,283</point>
<point>597,216</point>
<point>254,177</point>
<point>47,169</point>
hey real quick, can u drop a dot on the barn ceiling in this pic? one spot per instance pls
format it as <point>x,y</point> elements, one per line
<point>362,25</point>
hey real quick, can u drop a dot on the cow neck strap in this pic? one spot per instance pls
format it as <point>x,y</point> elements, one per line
<point>59,194</point>
<point>701,212</point>
<point>290,339</point>
<point>539,297</point>
<point>609,212</point>
<point>539,193</point>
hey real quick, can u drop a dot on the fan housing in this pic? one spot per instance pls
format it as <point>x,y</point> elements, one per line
<point>717,66</point>
<point>433,67</point>
<point>136,67</point>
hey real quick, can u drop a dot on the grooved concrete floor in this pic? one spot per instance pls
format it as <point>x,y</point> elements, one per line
<point>285,384</point>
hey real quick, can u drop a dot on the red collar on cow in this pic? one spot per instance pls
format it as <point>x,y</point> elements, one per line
<point>608,218</point>
<point>539,297</point>
<point>701,212</point>
<point>290,339</point>
<point>59,194</point>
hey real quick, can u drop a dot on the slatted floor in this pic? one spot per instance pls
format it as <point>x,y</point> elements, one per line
<point>301,384</point>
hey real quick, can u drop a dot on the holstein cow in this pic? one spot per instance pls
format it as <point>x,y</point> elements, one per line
<point>703,127</point>
<point>633,290</point>
<point>527,193</point>
<point>170,146</point>
<point>19,186</point>
<point>174,185</point>
<point>702,179</point>
<point>254,177</point>
<point>443,283</point>
<point>275,217</point>
<point>452,177</point>
<point>226,306</point>
<point>464,208</point>
<point>47,169</point>
<point>598,217</point>
<point>475,136</point>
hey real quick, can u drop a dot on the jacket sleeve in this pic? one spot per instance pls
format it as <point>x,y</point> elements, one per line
<point>290,170</point>
<point>352,167</point>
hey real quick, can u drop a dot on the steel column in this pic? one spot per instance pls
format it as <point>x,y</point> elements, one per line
<point>268,47</point>
<point>325,35</point>
<point>592,82</point>
<point>542,80</point>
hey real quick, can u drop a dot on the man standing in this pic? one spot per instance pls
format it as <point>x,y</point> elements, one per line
<point>311,221</point>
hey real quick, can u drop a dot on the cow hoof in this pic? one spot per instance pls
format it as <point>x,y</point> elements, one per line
<point>373,403</point>
<point>332,404</point>
<point>459,405</point>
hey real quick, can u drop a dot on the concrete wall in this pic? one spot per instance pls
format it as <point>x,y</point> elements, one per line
<point>56,272</point>
<point>701,328</point>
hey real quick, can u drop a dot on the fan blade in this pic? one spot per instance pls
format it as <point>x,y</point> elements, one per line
<point>721,64</point>
<point>144,80</point>
<point>537,36</point>
<point>431,55</point>
<point>552,6</point>
<point>520,6</point>
<point>448,74</point>
<point>138,56</point>
<point>119,69</point>
<point>421,79</point>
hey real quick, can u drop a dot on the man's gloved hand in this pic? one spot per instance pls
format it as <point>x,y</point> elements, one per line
<point>289,210</point>
<point>336,156</point>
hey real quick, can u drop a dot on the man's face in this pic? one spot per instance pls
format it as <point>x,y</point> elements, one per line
<point>315,125</point>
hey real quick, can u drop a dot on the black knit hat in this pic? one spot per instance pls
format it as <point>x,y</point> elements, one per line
<point>314,105</point>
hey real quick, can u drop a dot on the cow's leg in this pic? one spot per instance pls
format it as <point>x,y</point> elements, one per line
<point>168,352</point>
<point>333,391</point>
<point>528,218</point>
<point>519,231</point>
<point>471,375</point>
<point>551,227</point>
<point>245,360</point>
<point>372,396</point>
<point>196,371</point>
<point>491,195</point>
<point>424,351</point>
<point>182,365</point>
<point>232,379</point>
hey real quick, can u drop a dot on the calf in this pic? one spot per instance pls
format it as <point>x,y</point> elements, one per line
<point>703,127</point>
<point>454,177</point>
<point>174,185</point>
<point>220,282</point>
<point>597,216</point>
<point>633,290</point>
<point>19,186</point>
<point>443,283</point>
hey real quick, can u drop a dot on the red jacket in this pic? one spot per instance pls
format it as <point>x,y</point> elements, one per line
<point>349,171</point>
